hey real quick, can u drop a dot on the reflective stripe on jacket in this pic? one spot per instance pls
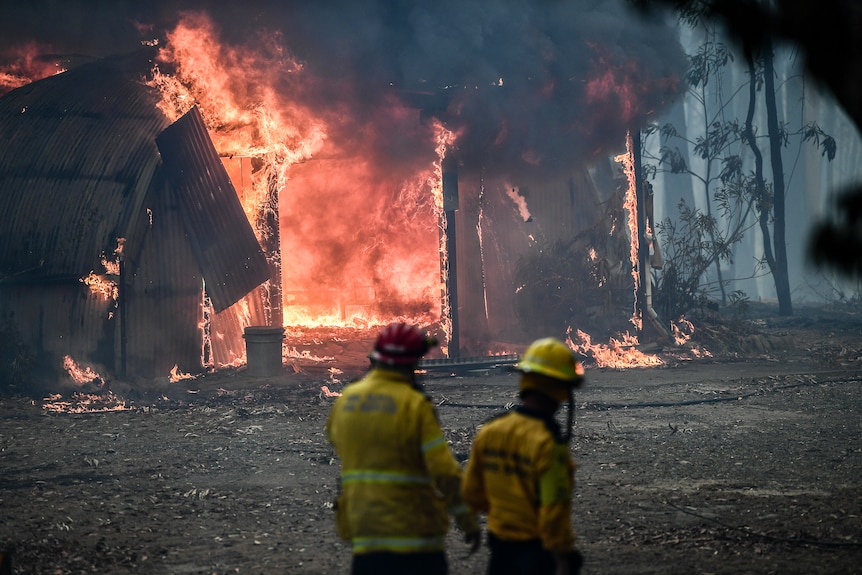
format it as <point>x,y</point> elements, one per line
<point>398,475</point>
<point>521,474</point>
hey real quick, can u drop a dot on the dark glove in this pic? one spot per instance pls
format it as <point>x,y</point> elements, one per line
<point>474,540</point>
<point>468,523</point>
<point>576,561</point>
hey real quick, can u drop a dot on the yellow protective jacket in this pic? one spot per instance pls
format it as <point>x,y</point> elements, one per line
<point>521,474</point>
<point>399,479</point>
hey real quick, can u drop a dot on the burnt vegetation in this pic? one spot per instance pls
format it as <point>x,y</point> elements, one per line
<point>739,191</point>
<point>825,32</point>
<point>584,282</point>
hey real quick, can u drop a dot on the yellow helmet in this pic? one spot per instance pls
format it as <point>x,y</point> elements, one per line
<point>555,365</point>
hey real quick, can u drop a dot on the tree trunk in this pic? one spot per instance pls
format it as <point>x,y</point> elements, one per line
<point>780,273</point>
<point>762,200</point>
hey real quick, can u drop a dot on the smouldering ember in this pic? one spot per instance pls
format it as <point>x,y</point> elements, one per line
<point>85,403</point>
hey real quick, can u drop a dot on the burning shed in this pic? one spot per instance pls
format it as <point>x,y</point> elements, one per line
<point>121,235</point>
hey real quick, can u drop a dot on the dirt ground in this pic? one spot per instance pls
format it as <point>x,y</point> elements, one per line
<point>744,462</point>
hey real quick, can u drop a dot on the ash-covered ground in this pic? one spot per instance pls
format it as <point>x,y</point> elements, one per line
<point>744,462</point>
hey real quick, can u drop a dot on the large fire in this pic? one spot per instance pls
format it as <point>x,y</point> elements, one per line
<point>355,179</point>
<point>358,231</point>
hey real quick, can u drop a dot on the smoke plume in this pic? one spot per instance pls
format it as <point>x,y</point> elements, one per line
<point>529,85</point>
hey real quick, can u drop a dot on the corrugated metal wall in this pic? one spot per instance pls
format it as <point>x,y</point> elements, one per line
<point>164,294</point>
<point>78,156</point>
<point>51,318</point>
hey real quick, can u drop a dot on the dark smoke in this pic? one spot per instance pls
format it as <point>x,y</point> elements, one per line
<point>511,75</point>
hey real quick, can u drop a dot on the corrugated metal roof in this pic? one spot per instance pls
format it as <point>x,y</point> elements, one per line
<point>226,248</point>
<point>78,155</point>
<point>79,168</point>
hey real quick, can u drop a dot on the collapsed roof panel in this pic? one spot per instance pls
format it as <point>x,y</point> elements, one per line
<point>230,257</point>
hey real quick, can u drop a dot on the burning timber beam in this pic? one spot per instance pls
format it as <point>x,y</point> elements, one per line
<point>450,207</point>
<point>645,231</point>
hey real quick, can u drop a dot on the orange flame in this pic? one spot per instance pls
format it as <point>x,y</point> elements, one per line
<point>85,403</point>
<point>292,352</point>
<point>630,206</point>
<point>621,86</point>
<point>334,374</point>
<point>444,139</point>
<point>177,375</point>
<point>78,402</point>
<point>325,390</point>
<point>78,375</point>
<point>26,66</point>
<point>101,286</point>
<point>683,331</point>
<point>618,353</point>
<point>337,267</point>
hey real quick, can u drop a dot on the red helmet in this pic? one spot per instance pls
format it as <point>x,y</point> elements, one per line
<point>401,344</point>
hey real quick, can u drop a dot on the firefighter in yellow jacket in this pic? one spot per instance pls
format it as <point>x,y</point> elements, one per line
<point>399,479</point>
<point>520,471</point>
